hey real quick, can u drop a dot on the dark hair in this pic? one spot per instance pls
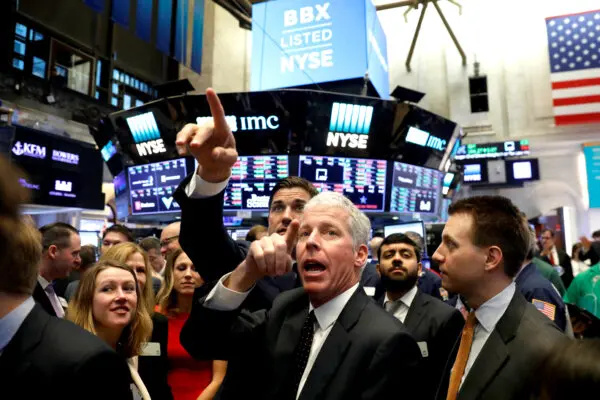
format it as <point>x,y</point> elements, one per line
<point>88,256</point>
<point>122,229</point>
<point>254,232</point>
<point>497,222</point>
<point>293,182</point>
<point>548,230</point>
<point>570,371</point>
<point>150,243</point>
<point>57,234</point>
<point>596,234</point>
<point>575,249</point>
<point>395,238</point>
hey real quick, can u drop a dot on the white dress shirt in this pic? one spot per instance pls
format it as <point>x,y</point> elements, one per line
<point>399,308</point>
<point>198,188</point>
<point>52,296</point>
<point>11,322</point>
<point>224,299</point>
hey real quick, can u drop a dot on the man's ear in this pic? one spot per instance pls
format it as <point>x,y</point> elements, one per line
<point>419,268</point>
<point>378,269</point>
<point>493,258</point>
<point>52,251</point>
<point>361,256</point>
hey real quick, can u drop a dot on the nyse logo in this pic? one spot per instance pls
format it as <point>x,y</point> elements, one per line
<point>29,150</point>
<point>63,186</point>
<point>306,15</point>
<point>151,147</point>
<point>349,126</point>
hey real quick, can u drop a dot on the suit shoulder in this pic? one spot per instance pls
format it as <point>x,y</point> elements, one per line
<point>73,342</point>
<point>536,325</point>
<point>439,306</point>
<point>284,299</point>
<point>374,315</point>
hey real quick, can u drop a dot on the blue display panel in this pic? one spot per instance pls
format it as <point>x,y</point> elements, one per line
<point>361,180</point>
<point>252,180</point>
<point>415,189</point>
<point>151,186</point>
<point>592,164</point>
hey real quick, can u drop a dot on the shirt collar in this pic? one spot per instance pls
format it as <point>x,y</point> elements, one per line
<point>329,312</point>
<point>11,322</point>
<point>407,299</point>
<point>490,312</point>
<point>43,282</point>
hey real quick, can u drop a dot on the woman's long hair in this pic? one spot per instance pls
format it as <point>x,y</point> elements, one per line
<point>135,334</point>
<point>167,297</point>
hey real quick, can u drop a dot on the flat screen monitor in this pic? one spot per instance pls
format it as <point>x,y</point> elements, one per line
<point>413,226</point>
<point>252,180</point>
<point>151,186</point>
<point>475,172</point>
<point>238,234</point>
<point>523,170</point>
<point>415,189</point>
<point>360,180</point>
<point>448,178</point>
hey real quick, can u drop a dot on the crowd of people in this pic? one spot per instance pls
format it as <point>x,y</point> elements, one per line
<point>295,312</point>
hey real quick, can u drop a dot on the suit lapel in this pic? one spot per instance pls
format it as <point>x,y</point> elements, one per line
<point>416,312</point>
<point>39,295</point>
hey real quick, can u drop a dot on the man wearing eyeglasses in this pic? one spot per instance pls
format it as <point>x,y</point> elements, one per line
<point>169,239</point>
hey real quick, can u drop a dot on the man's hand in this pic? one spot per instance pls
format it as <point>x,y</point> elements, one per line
<point>212,144</point>
<point>585,243</point>
<point>269,256</point>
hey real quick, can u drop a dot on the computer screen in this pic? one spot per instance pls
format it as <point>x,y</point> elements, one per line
<point>413,226</point>
<point>238,234</point>
<point>360,180</point>
<point>522,170</point>
<point>475,172</point>
<point>252,180</point>
<point>448,178</point>
<point>415,189</point>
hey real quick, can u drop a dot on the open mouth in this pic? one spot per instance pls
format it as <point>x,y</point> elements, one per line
<point>313,267</point>
<point>121,309</point>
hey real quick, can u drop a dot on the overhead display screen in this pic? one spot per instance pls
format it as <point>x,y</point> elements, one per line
<point>361,180</point>
<point>509,148</point>
<point>252,179</point>
<point>415,189</point>
<point>151,186</point>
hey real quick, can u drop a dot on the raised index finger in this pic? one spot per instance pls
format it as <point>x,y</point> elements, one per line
<point>291,235</point>
<point>216,110</point>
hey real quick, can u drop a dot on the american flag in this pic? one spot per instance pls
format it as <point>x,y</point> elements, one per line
<point>574,44</point>
<point>549,310</point>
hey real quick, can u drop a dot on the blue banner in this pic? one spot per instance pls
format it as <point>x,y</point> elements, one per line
<point>143,19</point>
<point>197,33</point>
<point>377,59</point>
<point>592,163</point>
<point>163,25</point>
<point>181,31</point>
<point>96,5</point>
<point>120,12</point>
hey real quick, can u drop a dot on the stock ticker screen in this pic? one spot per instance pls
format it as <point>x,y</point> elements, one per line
<point>252,179</point>
<point>151,186</point>
<point>361,180</point>
<point>414,189</point>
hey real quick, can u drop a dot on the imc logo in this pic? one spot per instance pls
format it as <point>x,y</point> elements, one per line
<point>146,134</point>
<point>29,150</point>
<point>63,186</point>
<point>349,126</point>
<point>256,123</point>
<point>425,139</point>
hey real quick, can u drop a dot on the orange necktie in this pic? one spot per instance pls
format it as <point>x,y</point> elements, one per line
<point>461,358</point>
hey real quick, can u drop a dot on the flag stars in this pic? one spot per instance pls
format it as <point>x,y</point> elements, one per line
<point>581,19</point>
<point>569,43</point>
<point>587,63</point>
<point>572,65</point>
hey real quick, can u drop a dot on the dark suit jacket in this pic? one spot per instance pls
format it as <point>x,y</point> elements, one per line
<point>369,277</point>
<point>367,354</point>
<point>565,262</point>
<point>41,298</point>
<point>50,358</point>
<point>593,254</point>
<point>430,283</point>
<point>154,369</point>
<point>509,360</point>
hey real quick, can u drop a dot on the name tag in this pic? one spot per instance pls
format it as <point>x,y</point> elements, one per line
<point>135,392</point>
<point>151,349</point>
<point>369,290</point>
<point>63,302</point>
<point>423,348</point>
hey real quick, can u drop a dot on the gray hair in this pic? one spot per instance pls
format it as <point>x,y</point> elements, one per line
<point>358,223</point>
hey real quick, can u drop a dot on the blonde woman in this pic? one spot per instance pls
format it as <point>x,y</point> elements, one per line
<point>106,304</point>
<point>153,364</point>
<point>189,379</point>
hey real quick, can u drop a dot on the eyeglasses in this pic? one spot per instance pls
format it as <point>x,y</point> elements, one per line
<point>168,240</point>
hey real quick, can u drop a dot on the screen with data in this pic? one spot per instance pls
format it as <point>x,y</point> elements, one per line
<point>361,180</point>
<point>151,186</point>
<point>414,189</point>
<point>252,180</point>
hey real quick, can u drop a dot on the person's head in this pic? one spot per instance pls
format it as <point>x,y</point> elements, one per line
<point>257,232</point>
<point>152,247</point>
<point>596,235</point>
<point>533,247</point>
<point>114,235</point>
<point>181,279</point>
<point>374,245</point>
<point>106,304</point>
<point>88,255</point>
<point>570,371</point>
<point>169,238</point>
<point>399,263</point>
<point>136,258</point>
<point>61,247</point>
<point>548,239</point>
<point>332,246</point>
<point>484,244</point>
<point>288,198</point>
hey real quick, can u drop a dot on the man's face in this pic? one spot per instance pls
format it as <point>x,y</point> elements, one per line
<point>287,205</point>
<point>327,261</point>
<point>398,267</point>
<point>66,259</point>
<point>169,240</point>
<point>111,239</point>
<point>462,264</point>
<point>547,241</point>
<point>156,259</point>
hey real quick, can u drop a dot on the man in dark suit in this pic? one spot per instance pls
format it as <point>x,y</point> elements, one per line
<point>590,250</point>
<point>556,257</point>
<point>484,244</point>
<point>327,340</point>
<point>43,357</point>
<point>61,247</point>
<point>435,325</point>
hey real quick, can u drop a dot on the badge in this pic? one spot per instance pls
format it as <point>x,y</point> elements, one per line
<point>151,349</point>
<point>369,290</point>
<point>549,310</point>
<point>423,348</point>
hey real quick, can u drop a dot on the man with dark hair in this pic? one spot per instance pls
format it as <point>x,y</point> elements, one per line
<point>42,357</point>
<point>61,246</point>
<point>257,232</point>
<point>590,250</point>
<point>115,234</point>
<point>484,244</point>
<point>88,255</point>
<point>556,257</point>
<point>435,326</point>
<point>152,247</point>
